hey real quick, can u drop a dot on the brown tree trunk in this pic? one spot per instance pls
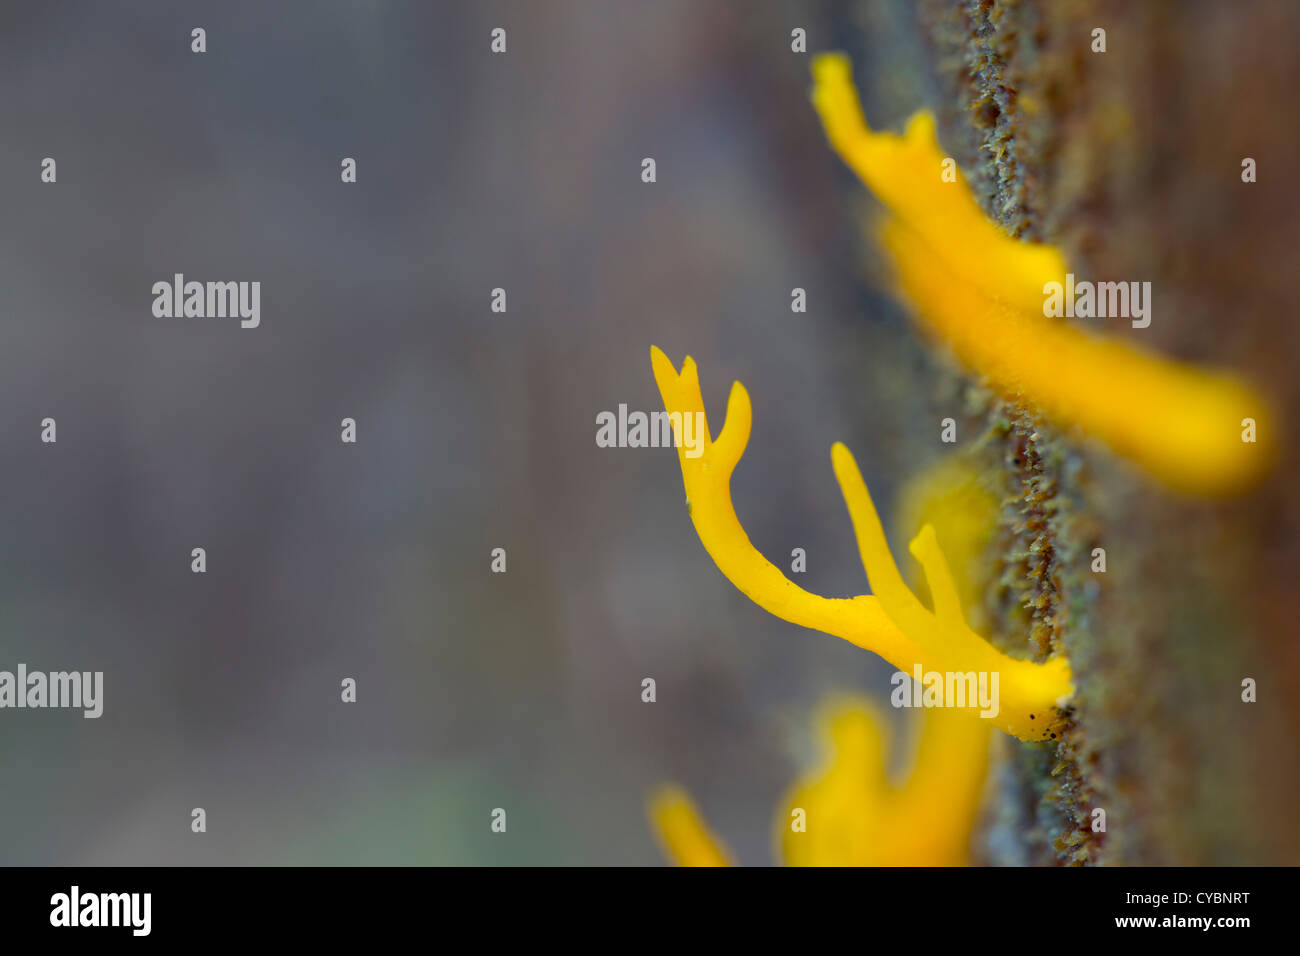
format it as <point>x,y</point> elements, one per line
<point>1131,160</point>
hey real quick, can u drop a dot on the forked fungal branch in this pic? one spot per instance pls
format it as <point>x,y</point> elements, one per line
<point>890,621</point>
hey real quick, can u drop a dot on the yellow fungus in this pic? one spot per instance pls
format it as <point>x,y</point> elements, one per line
<point>891,621</point>
<point>848,812</point>
<point>904,173</point>
<point>856,816</point>
<point>950,496</point>
<point>852,812</point>
<point>982,292</point>
<point>682,831</point>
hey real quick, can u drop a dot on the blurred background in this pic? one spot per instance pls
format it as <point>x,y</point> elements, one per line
<point>476,429</point>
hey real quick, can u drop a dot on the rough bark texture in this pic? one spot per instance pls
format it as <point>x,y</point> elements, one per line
<point>1131,161</point>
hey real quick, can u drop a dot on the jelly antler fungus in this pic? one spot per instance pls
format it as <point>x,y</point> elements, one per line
<point>684,835</point>
<point>982,292</point>
<point>852,813</point>
<point>951,494</point>
<point>891,621</point>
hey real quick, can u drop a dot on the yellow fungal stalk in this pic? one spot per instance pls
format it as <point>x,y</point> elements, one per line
<point>686,838</point>
<point>950,496</point>
<point>891,621</point>
<point>982,292</point>
<point>848,812</point>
